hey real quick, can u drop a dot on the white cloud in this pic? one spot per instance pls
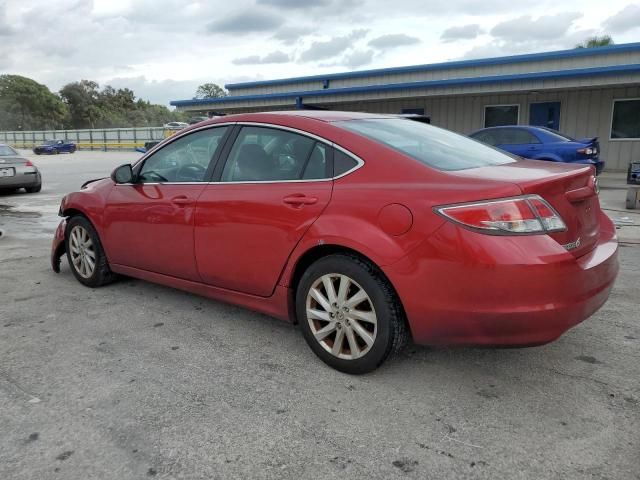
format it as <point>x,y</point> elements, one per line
<point>163,49</point>
<point>626,19</point>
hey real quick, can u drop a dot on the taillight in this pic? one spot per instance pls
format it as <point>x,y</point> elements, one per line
<point>29,163</point>
<point>525,215</point>
<point>588,151</point>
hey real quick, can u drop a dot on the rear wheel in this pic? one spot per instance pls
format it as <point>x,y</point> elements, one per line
<point>35,189</point>
<point>85,254</point>
<point>349,314</point>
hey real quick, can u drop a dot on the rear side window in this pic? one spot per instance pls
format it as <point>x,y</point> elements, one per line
<point>516,136</point>
<point>267,154</point>
<point>318,163</point>
<point>342,163</point>
<point>433,146</point>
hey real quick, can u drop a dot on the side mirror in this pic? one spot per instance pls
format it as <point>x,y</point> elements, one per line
<point>123,174</point>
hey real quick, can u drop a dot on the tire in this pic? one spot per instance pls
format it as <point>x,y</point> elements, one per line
<point>81,237</point>
<point>35,189</point>
<point>379,315</point>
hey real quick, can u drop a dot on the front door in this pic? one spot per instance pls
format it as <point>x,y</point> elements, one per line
<point>545,114</point>
<point>149,224</point>
<point>273,186</point>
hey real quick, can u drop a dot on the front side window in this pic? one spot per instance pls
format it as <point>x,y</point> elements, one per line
<point>625,122</point>
<point>433,146</point>
<point>262,154</point>
<point>499,115</point>
<point>184,160</point>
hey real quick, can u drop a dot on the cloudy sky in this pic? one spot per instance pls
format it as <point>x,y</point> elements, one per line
<point>163,49</point>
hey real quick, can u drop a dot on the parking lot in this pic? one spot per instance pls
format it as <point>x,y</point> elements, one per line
<point>136,380</point>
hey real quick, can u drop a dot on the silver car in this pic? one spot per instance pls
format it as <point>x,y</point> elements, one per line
<point>18,172</point>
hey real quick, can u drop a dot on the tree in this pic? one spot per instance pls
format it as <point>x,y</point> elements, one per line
<point>82,99</point>
<point>28,105</point>
<point>595,42</point>
<point>210,90</point>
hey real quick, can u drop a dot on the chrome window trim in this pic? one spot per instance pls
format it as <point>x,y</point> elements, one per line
<point>176,137</point>
<point>359,161</point>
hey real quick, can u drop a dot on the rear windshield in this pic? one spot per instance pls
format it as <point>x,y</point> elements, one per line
<point>431,145</point>
<point>557,136</point>
<point>6,151</point>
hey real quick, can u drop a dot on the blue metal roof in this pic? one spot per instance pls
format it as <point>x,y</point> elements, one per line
<point>551,75</point>
<point>529,57</point>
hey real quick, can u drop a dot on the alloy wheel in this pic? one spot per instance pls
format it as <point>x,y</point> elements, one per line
<point>83,253</point>
<point>341,316</point>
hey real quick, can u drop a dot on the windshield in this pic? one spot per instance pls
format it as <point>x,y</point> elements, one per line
<point>436,147</point>
<point>7,151</point>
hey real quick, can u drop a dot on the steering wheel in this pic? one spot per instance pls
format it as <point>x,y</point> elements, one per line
<point>191,171</point>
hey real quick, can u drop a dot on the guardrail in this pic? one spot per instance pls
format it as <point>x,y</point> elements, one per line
<point>94,139</point>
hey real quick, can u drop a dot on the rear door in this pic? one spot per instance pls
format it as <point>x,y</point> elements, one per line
<point>274,184</point>
<point>519,142</point>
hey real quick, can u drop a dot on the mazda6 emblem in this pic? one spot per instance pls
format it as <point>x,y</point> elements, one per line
<point>572,245</point>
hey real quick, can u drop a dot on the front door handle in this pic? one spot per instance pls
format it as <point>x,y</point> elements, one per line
<point>299,199</point>
<point>181,200</point>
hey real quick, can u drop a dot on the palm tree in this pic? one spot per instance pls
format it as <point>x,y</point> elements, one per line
<point>595,42</point>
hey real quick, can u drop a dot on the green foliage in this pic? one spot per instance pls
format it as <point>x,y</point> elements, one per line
<point>210,90</point>
<point>90,107</point>
<point>595,42</point>
<point>28,105</point>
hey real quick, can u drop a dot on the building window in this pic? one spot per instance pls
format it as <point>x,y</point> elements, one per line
<point>625,122</point>
<point>498,115</point>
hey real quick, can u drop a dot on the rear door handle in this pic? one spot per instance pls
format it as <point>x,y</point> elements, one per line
<point>299,199</point>
<point>181,200</point>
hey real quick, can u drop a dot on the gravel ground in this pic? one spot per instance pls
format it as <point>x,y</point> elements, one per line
<point>136,380</point>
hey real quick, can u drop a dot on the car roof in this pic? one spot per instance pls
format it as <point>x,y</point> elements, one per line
<point>321,115</point>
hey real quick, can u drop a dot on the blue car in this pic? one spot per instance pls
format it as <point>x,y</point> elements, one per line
<point>55,146</point>
<point>541,143</point>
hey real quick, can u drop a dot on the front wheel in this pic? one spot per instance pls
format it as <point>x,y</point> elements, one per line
<point>349,314</point>
<point>86,257</point>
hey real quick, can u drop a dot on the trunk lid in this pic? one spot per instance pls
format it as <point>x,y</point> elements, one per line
<point>569,189</point>
<point>12,161</point>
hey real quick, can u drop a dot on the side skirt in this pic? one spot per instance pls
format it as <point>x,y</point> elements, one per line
<point>275,306</point>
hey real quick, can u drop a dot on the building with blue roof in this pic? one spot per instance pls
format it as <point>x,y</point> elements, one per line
<point>581,92</point>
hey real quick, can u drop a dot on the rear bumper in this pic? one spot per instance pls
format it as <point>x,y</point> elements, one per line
<point>465,288</point>
<point>21,180</point>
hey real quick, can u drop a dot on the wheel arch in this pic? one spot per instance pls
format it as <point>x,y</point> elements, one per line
<point>315,253</point>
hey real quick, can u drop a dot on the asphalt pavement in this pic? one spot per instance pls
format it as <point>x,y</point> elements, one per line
<point>135,380</point>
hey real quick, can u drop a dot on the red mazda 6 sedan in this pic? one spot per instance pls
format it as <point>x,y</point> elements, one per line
<point>363,229</point>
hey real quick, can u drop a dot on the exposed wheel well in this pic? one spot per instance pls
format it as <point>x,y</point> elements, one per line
<point>72,212</point>
<point>320,251</point>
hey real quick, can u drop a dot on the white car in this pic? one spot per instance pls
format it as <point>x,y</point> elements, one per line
<point>175,125</point>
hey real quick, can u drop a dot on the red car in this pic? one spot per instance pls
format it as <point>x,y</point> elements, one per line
<point>363,229</point>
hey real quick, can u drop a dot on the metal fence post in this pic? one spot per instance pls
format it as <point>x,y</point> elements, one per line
<point>104,139</point>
